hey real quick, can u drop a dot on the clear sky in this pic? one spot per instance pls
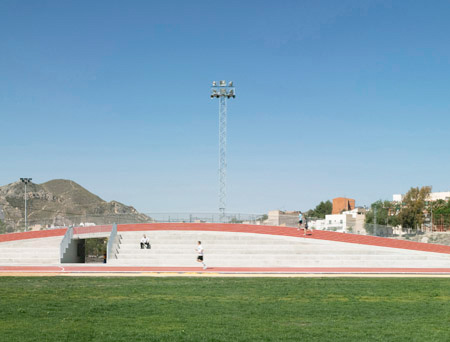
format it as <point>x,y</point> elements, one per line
<point>334,98</point>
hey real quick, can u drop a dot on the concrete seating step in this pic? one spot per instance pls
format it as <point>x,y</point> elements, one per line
<point>276,263</point>
<point>29,261</point>
<point>175,248</point>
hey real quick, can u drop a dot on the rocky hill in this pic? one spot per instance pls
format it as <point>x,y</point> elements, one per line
<point>59,202</point>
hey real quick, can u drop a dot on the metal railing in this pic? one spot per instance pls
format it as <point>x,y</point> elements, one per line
<point>111,248</point>
<point>206,217</point>
<point>65,242</point>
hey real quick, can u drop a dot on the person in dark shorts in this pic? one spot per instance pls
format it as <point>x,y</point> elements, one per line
<point>300,220</point>
<point>200,250</point>
<point>307,231</point>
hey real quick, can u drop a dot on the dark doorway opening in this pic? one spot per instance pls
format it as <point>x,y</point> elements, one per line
<point>95,250</point>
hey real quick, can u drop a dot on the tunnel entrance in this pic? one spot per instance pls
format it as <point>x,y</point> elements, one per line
<point>89,251</point>
<point>95,250</point>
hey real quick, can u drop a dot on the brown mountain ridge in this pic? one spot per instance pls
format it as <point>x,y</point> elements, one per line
<point>59,202</point>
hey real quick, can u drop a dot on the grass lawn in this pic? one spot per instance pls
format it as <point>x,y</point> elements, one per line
<point>224,309</point>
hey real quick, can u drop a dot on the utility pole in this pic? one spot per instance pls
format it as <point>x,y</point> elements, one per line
<point>222,92</point>
<point>26,181</point>
<point>431,206</point>
<point>375,220</point>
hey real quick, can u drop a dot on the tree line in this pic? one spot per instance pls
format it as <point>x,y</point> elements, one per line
<point>322,209</point>
<point>413,211</point>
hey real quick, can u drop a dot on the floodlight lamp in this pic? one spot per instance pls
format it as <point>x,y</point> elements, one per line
<point>214,83</point>
<point>230,84</point>
<point>223,83</point>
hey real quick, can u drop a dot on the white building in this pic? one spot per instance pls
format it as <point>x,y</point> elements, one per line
<point>87,224</point>
<point>351,221</point>
<point>397,198</point>
<point>317,224</point>
<point>336,222</point>
<point>434,196</point>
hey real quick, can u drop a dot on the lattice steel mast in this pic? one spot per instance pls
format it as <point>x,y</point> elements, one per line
<point>222,92</point>
<point>26,181</point>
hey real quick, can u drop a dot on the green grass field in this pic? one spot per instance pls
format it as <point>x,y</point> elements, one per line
<point>224,309</point>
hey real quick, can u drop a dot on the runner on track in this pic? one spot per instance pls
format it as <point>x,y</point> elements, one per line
<point>200,250</point>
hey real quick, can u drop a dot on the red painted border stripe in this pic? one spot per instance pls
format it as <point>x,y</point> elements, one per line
<point>93,229</point>
<point>32,235</point>
<point>135,269</point>
<point>52,232</point>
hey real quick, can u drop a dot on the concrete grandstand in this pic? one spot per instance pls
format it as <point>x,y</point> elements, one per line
<point>228,247</point>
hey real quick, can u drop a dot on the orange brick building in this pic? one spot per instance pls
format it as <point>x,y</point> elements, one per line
<point>341,204</point>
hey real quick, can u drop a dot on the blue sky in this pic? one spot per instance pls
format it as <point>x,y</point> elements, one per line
<point>334,98</point>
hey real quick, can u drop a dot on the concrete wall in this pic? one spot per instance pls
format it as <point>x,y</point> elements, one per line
<point>282,218</point>
<point>75,253</point>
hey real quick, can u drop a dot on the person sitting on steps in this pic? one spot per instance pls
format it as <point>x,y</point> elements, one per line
<point>145,242</point>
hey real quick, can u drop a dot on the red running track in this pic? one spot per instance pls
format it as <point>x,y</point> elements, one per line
<point>221,270</point>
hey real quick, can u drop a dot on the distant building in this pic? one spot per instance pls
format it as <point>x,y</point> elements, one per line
<point>434,196</point>
<point>36,227</point>
<point>351,221</point>
<point>341,204</point>
<point>336,222</point>
<point>282,218</point>
<point>87,224</point>
<point>397,198</point>
<point>317,224</point>
<point>355,223</point>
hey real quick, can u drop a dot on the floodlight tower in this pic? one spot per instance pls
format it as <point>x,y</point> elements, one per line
<point>26,181</point>
<point>223,91</point>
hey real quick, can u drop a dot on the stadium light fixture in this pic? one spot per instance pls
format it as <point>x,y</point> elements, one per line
<point>26,181</point>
